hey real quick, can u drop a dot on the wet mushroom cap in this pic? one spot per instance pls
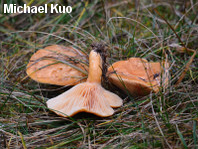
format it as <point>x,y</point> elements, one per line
<point>54,65</point>
<point>136,75</point>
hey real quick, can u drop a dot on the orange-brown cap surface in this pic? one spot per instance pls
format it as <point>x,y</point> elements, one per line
<point>58,65</point>
<point>137,75</point>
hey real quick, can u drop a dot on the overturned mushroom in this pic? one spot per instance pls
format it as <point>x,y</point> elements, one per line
<point>138,76</point>
<point>88,97</point>
<point>58,65</point>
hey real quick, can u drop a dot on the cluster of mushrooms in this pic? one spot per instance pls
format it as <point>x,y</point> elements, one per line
<point>60,65</point>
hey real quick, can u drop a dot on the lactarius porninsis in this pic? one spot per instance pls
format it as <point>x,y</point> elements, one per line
<point>57,65</point>
<point>138,76</point>
<point>89,96</point>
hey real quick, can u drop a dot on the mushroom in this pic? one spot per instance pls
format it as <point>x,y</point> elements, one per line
<point>89,96</point>
<point>58,65</point>
<point>138,76</point>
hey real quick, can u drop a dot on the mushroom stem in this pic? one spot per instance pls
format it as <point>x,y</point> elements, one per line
<point>95,67</point>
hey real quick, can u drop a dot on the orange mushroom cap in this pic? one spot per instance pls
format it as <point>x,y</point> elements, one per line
<point>89,96</point>
<point>138,76</point>
<point>56,65</point>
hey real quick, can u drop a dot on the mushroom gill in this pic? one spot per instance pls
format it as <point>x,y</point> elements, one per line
<point>89,96</point>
